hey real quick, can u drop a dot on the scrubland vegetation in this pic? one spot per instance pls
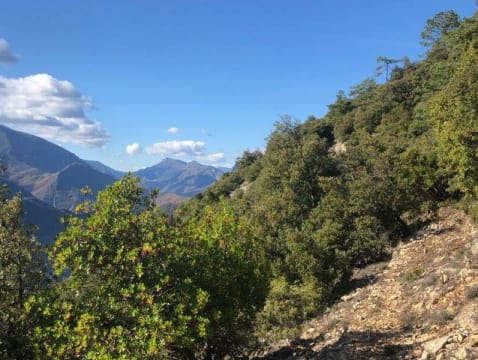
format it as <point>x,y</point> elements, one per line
<point>269,245</point>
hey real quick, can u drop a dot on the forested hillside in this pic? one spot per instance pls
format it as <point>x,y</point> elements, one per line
<point>271,244</point>
<point>335,193</point>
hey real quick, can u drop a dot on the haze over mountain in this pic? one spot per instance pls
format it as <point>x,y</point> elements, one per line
<point>49,172</point>
<point>50,179</point>
<point>105,169</point>
<point>38,213</point>
<point>179,177</point>
<point>171,176</point>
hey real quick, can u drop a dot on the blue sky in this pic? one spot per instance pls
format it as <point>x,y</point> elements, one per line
<point>195,80</point>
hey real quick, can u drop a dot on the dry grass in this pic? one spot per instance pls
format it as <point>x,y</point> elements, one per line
<point>439,317</point>
<point>414,274</point>
<point>409,319</point>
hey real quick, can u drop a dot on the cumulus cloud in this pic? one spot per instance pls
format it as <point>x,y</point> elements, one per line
<point>133,148</point>
<point>186,149</point>
<point>6,55</point>
<point>177,148</point>
<point>50,108</point>
<point>212,159</point>
<point>173,130</point>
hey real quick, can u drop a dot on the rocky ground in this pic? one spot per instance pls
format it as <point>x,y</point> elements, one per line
<point>422,304</point>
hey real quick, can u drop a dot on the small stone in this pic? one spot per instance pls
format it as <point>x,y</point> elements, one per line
<point>462,353</point>
<point>474,341</point>
<point>439,356</point>
<point>459,338</point>
<point>444,278</point>
<point>417,352</point>
<point>433,346</point>
<point>425,355</point>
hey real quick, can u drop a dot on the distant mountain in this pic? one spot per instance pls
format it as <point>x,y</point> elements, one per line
<point>105,169</point>
<point>179,177</point>
<point>176,179</point>
<point>50,179</point>
<point>170,176</point>
<point>224,169</point>
<point>40,214</point>
<point>47,171</point>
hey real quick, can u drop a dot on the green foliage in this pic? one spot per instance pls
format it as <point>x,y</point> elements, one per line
<point>249,165</point>
<point>246,170</point>
<point>439,26</point>
<point>402,147</point>
<point>453,111</point>
<point>386,61</point>
<point>120,297</point>
<point>230,266</point>
<point>349,228</point>
<point>287,306</point>
<point>139,286</point>
<point>414,274</point>
<point>275,240</point>
<point>287,188</point>
<point>339,115</point>
<point>21,273</point>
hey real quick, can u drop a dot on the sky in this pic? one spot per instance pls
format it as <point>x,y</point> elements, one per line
<point>129,83</point>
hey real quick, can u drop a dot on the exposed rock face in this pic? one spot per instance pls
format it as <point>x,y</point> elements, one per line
<point>422,304</point>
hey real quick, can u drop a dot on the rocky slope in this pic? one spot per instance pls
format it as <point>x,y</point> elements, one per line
<point>422,304</point>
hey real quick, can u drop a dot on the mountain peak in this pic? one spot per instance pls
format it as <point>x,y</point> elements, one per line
<point>17,147</point>
<point>49,172</point>
<point>169,160</point>
<point>179,177</point>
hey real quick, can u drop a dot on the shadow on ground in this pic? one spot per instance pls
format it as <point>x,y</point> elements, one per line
<point>356,345</point>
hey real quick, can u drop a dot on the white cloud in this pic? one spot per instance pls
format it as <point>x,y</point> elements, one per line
<point>50,108</point>
<point>173,130</point>
<point>177,148</point>
<point>6,55</point>
<point>211,159</point>
<point>133,148</point>
<point>187,150</point>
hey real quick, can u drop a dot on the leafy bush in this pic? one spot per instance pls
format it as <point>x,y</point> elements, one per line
<point>138,285</point>
<point>287,306</point>
<point>21,273</point>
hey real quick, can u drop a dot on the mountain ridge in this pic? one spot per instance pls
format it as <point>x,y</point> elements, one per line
<point>41,167</point>
<point>171,176</point>
<point>178,177</point>
<point>50,178</point>
<point>97,165</point>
